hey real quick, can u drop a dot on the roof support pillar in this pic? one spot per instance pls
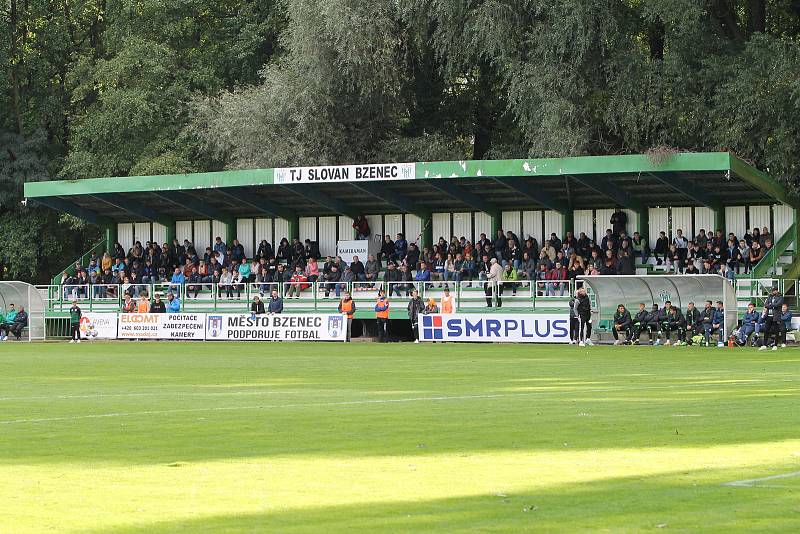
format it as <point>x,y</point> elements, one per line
<point>294,228</point>
<point>719,220</point>
<point>110,235</point>
<point>567,223</point>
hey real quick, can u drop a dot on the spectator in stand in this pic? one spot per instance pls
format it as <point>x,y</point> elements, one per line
<point>311,249</point>
<point>265,250</point>
<point>178,279</point>
<point>548,251</point>
<point>332,278</point>
<point>500,245</point>
<point>701,240</point>
<point>298,282</point>
<point>361,226</point>
<point>451,272</point>
<point>193,283</point>
<point>609,241</point>
<point>756,253</point>
<point>596,263</point>
<point>555,242</point>
<point>625,262</point>
<point>412,258</point>
<point>392,279</point>
<point>284,253</point>
<point>528,267</point>
<point>439,265</point>
<point>423,276</point>
<point>509,280</point>
<point>733,257</point>
<point>662,248</point>
<point>226,283</point>
<point>371,270</point>
<point>744,254</point>
<point>312,270</point>
<point>400,247</point>
<point>468,269</point>
<point>221,248</point>
<point>673,260</point>
<point>275,303</point>
<point>387,252</point>
<point>749,322</point>
<point>640,248</point>
<point>345,281</point>
<point>682,246</point>
<point>691,269</point>
<point>619,221</point>
<point>609,263</point>
<point>556,277</point>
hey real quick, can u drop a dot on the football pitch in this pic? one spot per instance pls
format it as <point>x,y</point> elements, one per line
<point>230,437</point>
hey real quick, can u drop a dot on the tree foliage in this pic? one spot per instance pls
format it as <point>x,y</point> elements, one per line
<point>129,87</point>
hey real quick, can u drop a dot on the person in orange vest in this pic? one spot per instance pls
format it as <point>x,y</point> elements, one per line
<point>143,306</point>
<point>347,306</point>
<point>382,316</point>
<point>448,302</point>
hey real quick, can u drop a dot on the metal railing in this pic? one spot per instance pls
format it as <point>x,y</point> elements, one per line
<point>98,248</point>
<point>773,255</point>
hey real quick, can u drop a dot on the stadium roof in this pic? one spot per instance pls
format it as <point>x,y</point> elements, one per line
<point>713,179</point>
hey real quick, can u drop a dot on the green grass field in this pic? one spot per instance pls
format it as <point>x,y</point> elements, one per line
<point>225,437</point>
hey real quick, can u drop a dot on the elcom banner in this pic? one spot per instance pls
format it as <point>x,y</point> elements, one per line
<point>495,328</point>
<point>189,326</point>
<point>241,327</point>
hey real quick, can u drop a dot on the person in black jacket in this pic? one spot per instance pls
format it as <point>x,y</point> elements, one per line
<point>771,315</point>
<point>662,247</point>
<point>707,320</point>
<point>415,308</point>
<point>257,307</point>
<point>584,309</point>
<point>675,323</point>
<point>158,305</point>
<point>641,322</point>
<point>692,323</point>
<point>622,325</point>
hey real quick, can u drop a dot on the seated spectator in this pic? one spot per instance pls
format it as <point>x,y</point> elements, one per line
<point>371,270</point>
<point>406,279</point>
<point>265,251</point>
<point>423,275</point>
<point>392,279</point>
<point>528,267</point>
<point>662,248</point>
<point>756,253</point>
<point>622,326</point>
<point>387,252</point>
<point>596,263</point>
<point>225,283</point>
<point>557,277</point>
<point>298,282</point>
<point>400,247</point>
<point>332,278</point>
<point>312,270</point>
<point>412,257</point>
<point>509,278</point>
<point>744,254</point>
<point>784,324</point>
<point>194,283</point>
<point>311,249</point>
<point>275,303</point>
<point>673,260</point>
<point>749,322</point>
<point>640,248</point>
<point>357,268</point>
<point>284,253</point>
<point>691,269</point>
<point>575,267</point>
<point>237,284</point>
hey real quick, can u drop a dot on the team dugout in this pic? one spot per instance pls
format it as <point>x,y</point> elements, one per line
<point>426,201</point>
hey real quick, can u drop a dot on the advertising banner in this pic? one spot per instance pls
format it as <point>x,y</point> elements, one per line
<point>242,327</point>
<point>345,173</point>
<point>348,249</point>
<point>495,328</point>
<point>190,326</point>
<point>99,325</point>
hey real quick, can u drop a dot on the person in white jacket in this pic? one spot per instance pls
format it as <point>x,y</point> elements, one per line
<point>493,279</point>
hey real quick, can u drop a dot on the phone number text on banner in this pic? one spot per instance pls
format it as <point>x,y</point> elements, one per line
<point>495,328</point>
<point>240,327</point>
<point>161,326</point>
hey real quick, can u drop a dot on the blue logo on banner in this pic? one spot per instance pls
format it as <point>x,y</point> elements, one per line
<point>432,328</point>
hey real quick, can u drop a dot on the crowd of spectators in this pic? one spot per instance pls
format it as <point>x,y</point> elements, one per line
<point>550,265</point>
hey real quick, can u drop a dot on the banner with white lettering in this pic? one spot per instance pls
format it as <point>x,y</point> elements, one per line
<point>345,173</point>
<point>495,328</point>
<point>189,326</point>
<point>98,325</point>
<point>348,249</point>
<point>241,327</point>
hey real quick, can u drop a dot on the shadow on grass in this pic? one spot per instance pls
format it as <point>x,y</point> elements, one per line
<point>686,502</point>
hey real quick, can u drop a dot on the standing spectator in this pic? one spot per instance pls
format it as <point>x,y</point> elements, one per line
<point>392,279</point>
<point>415,308</point>
<point>275,303</point>
<point>158,304</point>
<point>265,250</point>
<point>177,280</point>
<point>400,247</point>
<point>361,226</point>
<point>584,309</point>
<point>448,304</point>
<point>128,305</point>
<point>219,247</point>
<point>311,249</point>
<point>382,316</point>
<point>772,310</point>
<point>257,307</point>
<point>345,281</point>
<point>143,306</point>
<point>493,279</point>
<point>619,222</point>
<point>75,322</point>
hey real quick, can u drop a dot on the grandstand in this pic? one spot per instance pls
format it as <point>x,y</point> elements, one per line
<point>429,203</point>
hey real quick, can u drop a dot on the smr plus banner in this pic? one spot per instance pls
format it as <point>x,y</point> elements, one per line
<point>495,328</point>
<point>162,326</point>
<point>240,327</point>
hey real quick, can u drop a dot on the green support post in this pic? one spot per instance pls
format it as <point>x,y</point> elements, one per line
<point>110,235</point>
<point>230,230</point>
<point>497,224</point>
<point>567,223</point>
<point>644,225</point>
<point>719,220</point>
<point>170,232</point>
<point>426,220</point>
<point>294,228</point>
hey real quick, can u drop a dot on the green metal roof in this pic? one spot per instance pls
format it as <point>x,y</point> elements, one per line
<point>713,179</point>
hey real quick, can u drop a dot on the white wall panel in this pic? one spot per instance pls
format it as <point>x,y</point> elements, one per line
<point>602,223</point>
<point>512,220</point>
<point>659,222</point>
<point>308,229</point>
<point>159,233</point>
<point>783,217</point>
<point>441,227</point>
<point>704,218</point>
<point>532,226</point>
<point>413,229</point>
<point>462,225</point>
<point>483,225</point>
<point>327,236</point>
<point>735,220</point>
<point>244,233</point>
<point>375,226</point>
<point>682,219</point>
<point>183,230</point>
<point>759,217</point>
<point>583,222</point>
<point>141,233</point>
<point>393,225</point>
<point>553,223</point>
<point>281,230</point>
<point>125,235</point>
<point>264,231</point>
<point>346,231</point>
<point>203,237</point>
